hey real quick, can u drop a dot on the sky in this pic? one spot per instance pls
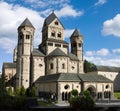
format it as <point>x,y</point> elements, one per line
<point>97,20</point>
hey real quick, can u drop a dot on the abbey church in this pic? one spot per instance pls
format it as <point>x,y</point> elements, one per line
<point>51,68</point>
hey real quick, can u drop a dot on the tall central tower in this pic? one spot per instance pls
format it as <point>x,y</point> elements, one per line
<point>24,49</point>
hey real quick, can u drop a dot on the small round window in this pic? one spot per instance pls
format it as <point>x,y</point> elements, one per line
<point>66,86</point>
<point>107,86</point>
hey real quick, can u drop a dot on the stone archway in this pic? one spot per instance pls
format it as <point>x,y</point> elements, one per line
<point>92,90</point>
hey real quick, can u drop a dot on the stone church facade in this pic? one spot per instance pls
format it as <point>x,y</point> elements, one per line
<point>51,68</point>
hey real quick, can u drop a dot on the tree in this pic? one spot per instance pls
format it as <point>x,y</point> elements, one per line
<point>88,66</point>
<point>32,92</point>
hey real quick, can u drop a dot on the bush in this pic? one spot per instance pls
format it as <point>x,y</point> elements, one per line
<point>74,92</point>
<point>82,102</point>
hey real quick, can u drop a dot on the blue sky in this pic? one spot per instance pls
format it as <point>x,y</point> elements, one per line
<point>97,20</point>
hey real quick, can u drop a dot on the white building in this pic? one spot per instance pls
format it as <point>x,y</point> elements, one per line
<point>51,68</point>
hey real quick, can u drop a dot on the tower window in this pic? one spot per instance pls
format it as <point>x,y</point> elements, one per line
<point>53,34</point>
<point>51,66</point>
<point>56,22</point>
<point>74,45</point>
<point>59,34</point>
<point>27,36</point>
<point>20,37</point>
<point>79,44</point>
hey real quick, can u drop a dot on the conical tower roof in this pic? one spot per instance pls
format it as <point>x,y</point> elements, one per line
<point>26,22</point>
<point>76,33</point>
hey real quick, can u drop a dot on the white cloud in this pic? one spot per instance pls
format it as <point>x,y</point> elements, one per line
<point>101,52</point>
<point>116,50</point>
<point>7,44</point>
<point>47,3</point>
<point>112,26</point>
<point>68,11</point>
<point>11,17</point>
<point>68,33</point>
<point>100,2</point>
<point>103,57</point>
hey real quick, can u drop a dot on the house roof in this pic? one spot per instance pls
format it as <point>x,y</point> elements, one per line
<point>9,65</point>
<point>59,77</point>
<point>50,18</point>
<point>105,68</point>
<point>57,52</point>
<point>76,33</point>
<point>26,22</point>
<point>73,57</point>
<point>93,78</point>
<point>71,77</point>
<point>37,52</point>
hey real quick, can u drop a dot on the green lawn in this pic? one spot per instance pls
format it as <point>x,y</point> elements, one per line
<point>117,95</point>
<point>43,103</point>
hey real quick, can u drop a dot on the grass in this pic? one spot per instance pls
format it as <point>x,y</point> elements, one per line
<point>117,95</point>
<point>43,103</point>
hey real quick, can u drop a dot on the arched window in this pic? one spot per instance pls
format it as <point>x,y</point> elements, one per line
<point>63,66</point>
<point>53,34</point>
<point>56,22</point>
<point>59,34</point>
<point>51,66</point>
<point>63,96</point>
<point>27,36</point>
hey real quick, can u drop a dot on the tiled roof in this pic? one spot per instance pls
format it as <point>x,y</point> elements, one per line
<point>9,65</point>
<point>76,33</point>
<point>105,68</point>
<point>36,52</point>
<point>50,18</point>
<point>93,78</point>
<point>71,77</point>
<point>26,22</point>
<point>57,52</point>
<point>73,57</point>
<point>59,77</point>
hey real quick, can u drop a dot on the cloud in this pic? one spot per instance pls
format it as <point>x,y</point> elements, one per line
<point>47,3</point>
<point>112,26</point>
<point>116,50</point>
<point>68,11</point>
<point>11,17</point>
<point>101,52</point>
<point>100,2</point>
<point>103,57</point>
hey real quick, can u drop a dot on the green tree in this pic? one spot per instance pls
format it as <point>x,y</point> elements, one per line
<point>32,92</point>
<point>10,91</point>
<point>22,91</point>
<point>88,66</point>
<point>74,93</point>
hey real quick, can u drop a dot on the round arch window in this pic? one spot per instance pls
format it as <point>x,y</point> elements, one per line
<point>66,86</point>
<point>107,86</point>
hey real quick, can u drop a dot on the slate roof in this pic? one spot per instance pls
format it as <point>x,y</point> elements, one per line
<point>9,65</point>
<point>50,18</point>
<point>93,78</point>
<point>105,68</point>
<point>37,52</point>
<point>76,33</point>
<point>73,57</point>
<point>71,77</point>
<point>57,52</point>
<point>26,22</point>
<point>59,77</point>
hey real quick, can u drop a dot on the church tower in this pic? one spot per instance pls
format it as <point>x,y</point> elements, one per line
<point>25,47</point>
<point>77,47</point>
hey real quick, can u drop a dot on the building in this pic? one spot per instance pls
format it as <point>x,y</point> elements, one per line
<point>112,73</point>
<point>51,68</point>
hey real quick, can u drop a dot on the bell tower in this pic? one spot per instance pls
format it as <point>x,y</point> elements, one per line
<point>25,47</point>
<point>77,47</point>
